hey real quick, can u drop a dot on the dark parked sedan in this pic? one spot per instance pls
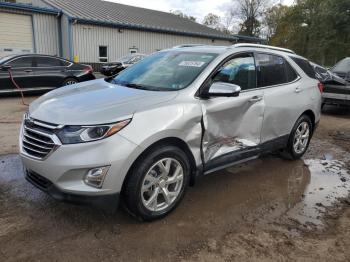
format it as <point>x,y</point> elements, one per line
<point>40,72</point>
<point>342,69</point>
<point>124,62</point>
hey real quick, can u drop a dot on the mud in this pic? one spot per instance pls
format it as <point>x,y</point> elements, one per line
<point>267,209</point>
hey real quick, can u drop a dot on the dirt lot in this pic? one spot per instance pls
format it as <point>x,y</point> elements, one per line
<point>265,210</point>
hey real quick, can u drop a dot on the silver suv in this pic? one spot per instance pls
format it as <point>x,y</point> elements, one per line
<point>146,134</point>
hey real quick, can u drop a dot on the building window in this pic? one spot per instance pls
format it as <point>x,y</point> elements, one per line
<point>133,50</point>
<point>103,55</point>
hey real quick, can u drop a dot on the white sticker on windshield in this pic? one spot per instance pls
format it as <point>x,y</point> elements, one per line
<point>192,63</point>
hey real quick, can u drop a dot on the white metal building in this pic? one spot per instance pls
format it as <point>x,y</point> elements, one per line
<point>96,31</point>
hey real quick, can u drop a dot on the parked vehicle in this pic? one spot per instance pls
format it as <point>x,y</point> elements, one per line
<point>126,61</point>
<point>326,76</point>
<point>342,69</point>
<point>336,95</point>
<point>336,89</point>
<point>33,72</point>
<point>149,132</point>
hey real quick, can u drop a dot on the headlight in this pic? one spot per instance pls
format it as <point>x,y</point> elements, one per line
<point>81,134</point>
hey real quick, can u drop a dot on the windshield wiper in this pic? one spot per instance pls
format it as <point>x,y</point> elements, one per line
<point>138,86</point>
<point>132,85</point>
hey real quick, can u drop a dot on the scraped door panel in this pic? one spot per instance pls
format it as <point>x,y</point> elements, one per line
<point>232,124</point>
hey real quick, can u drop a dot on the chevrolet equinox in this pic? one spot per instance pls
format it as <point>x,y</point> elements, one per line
<point>144,135</point>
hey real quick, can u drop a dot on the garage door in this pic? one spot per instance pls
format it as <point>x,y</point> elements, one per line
<point>16,34</point>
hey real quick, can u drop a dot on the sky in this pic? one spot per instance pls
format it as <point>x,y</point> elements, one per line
<point>196,8</point>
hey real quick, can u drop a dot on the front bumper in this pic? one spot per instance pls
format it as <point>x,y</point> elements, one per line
<point>64,170</point>
<point>108,203</point>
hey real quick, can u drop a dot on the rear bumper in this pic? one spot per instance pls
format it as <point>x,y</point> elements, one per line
<point>336,101</point>
<point>108,203</point>
<point>86,77</point>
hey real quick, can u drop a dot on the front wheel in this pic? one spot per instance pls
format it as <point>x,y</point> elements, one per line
<point>299,138</point>
<point>157,183</point>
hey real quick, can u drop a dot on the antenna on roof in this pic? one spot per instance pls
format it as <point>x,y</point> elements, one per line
<point>265,47</point>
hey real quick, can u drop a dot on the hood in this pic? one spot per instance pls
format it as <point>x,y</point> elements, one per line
<point>94,102</point>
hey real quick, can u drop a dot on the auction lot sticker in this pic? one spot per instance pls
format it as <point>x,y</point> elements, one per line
<point>192,63</point>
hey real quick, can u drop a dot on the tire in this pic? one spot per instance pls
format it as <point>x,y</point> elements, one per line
<point>69,81</point>
<point>293,151</point>
<point>147,179</point>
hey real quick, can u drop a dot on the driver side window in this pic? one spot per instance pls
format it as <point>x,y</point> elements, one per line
<point>240,71</point>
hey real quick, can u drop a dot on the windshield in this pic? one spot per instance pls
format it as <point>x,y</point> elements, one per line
<point>342,66</point>
<point>165,71</point>
<point>125,59</point>
<point>5,58</point>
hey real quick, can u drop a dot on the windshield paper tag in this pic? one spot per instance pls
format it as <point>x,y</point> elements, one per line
<point>192,63</point>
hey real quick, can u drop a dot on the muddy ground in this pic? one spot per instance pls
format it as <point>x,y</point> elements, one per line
<point>268,209</point>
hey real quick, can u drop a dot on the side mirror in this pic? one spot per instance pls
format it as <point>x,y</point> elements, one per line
<point>5,67</point>
<point>224,89</point>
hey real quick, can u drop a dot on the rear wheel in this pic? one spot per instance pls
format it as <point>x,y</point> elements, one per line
<point>157,183</point>
<point>69,81</point>
<point>299,138</point>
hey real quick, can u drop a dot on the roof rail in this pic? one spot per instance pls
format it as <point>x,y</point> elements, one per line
<point>265,46</point>
<point>188,45</point>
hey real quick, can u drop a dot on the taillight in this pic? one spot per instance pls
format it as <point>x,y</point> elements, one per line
<point>89,69</point>
<point>320,87</point>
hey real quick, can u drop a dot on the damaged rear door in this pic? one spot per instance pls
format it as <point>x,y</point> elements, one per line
<point>232,125</point>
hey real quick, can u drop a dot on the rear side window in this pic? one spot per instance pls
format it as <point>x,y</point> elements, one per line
<point>47,62</point>
<point>270,69</point>
<point>21,62</point>
<point>305,66</point>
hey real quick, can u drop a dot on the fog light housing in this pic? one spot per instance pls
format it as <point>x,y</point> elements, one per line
<point>96,176</point>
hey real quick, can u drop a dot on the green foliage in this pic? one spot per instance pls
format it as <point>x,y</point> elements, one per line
<point>316,29</point>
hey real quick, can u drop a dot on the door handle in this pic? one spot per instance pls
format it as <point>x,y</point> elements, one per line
<point>28,71</point>
<point>255,99</point>
<point>297,89</point>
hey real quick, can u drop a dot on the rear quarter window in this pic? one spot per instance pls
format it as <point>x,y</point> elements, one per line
<point>305,66</point>
<point>291,74</point>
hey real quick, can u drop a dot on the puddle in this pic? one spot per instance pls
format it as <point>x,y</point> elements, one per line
<point>262,191</point>
<point>329,182</point>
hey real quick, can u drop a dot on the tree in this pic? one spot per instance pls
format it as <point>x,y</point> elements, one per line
<point>212,20</point>
<point>250,13</point>
<point>272,19</point>
<point>183,15</point>
<point>316,29</point>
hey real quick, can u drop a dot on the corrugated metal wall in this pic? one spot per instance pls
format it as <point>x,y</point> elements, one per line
<point>88,38</point>
<point>46,33</point>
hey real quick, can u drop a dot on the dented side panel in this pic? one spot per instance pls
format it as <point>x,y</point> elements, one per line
<point>232,123</point>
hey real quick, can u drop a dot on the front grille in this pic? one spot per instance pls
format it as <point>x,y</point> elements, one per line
<point>38,180</point>
<point>38,138</point>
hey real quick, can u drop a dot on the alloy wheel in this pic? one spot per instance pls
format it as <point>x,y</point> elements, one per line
<point>301,138</point>
<point>70,82</point>
<point>162,184</point>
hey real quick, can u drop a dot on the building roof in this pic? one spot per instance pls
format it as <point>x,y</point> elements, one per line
<point>30,8</point>
<point>125,16</point>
